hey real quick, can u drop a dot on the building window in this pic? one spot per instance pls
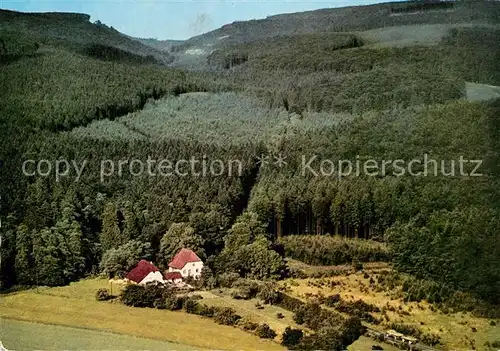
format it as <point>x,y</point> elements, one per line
<point>196,270</point>
<point>189,272</point>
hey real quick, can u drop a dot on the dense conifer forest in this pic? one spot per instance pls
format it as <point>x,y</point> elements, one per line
<point>84,92</point>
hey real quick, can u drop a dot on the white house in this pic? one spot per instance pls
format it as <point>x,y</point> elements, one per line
<point>145,272</point>
<point>152,277</point>
<point>187,263</point>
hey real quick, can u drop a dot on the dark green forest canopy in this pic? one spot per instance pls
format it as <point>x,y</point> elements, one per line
<point>330,95</point>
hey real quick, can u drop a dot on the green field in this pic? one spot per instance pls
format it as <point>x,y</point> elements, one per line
<point>17,335</point>
<point>365,344</point>
<point>75,306</point>
<point>247,309</point>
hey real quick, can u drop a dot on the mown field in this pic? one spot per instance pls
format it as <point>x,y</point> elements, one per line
<point>18,335</point>
<point>75,306</point>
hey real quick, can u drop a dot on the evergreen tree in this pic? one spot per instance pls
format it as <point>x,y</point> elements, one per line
<point>178,236</point>
<point>24,259</point>
<point>130,227</point>
<point>117,262</point>
<point>110,234</point>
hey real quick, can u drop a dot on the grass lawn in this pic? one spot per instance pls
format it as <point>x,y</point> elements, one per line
<point>455,329</point>
<point>75,306</point>
<point>248,310</point>
<point>365,343</point>
<point>17,335</point>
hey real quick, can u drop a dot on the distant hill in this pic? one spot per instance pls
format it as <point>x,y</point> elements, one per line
<point>344,19</point>
<point>160,45</point>
<point>348,19</point>
<point>71,30</point>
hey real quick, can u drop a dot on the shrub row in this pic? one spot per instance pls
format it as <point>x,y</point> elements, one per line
<point>157,296</point>
<point>357,308</point>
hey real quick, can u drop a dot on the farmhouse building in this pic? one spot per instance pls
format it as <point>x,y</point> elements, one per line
<point>173,277</point>
<point>187,263</point>
<point>145,272</point>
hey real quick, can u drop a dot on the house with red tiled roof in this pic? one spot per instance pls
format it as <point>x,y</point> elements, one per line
<point>173,277</point>
<point>145,272</point>
<point>187,263</point>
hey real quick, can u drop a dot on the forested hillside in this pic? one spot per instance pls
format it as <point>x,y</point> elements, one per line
<point>82,92</point>
<point>360,19</point>
<point>70,30</point>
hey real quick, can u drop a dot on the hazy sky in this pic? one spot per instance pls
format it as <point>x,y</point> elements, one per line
<point>166,19</point>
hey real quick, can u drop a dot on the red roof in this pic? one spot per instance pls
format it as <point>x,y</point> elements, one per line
<point>173,275</point>
<point>140,271</point>
<point>183,256</point>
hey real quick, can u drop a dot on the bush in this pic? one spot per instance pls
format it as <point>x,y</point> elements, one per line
<point>246,289</point>
<point>291,337</point>
<point>351,330</point>
<point>288,302</point>
<point>299,317</point>
<point>174,303</point>
<point>331,300</point>
<point>117,262</point>
<point>325,339</point>
<point>150,295</point>
<point>280,315</point>
<point>160,304</point>
<point>495,344</point>
<point>358,308</point>
<point>226,316</point>
<point>265,332</point>
<point>135,295</point>
<point>226,280</point>
<point>268,293</point>
<point>249,325</point>
<point>357,265</point>
<point>206,311</point>
<point>431,339</point>
<point>190,305</point>
<point>102,295</point>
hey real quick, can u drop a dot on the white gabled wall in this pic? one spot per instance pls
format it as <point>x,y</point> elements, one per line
<point>192,269</point>
<point>152,277</point>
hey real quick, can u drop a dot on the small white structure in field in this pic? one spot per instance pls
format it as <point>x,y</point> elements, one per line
<point>145,272</point>
<point>187,263</point>
<point>2,348</point>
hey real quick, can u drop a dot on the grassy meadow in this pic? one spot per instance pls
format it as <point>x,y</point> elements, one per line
<point>248,310</point>
<point>457,330</point>
<point>75,306</point>
<point>364,343</point>
<point>18,335</point>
